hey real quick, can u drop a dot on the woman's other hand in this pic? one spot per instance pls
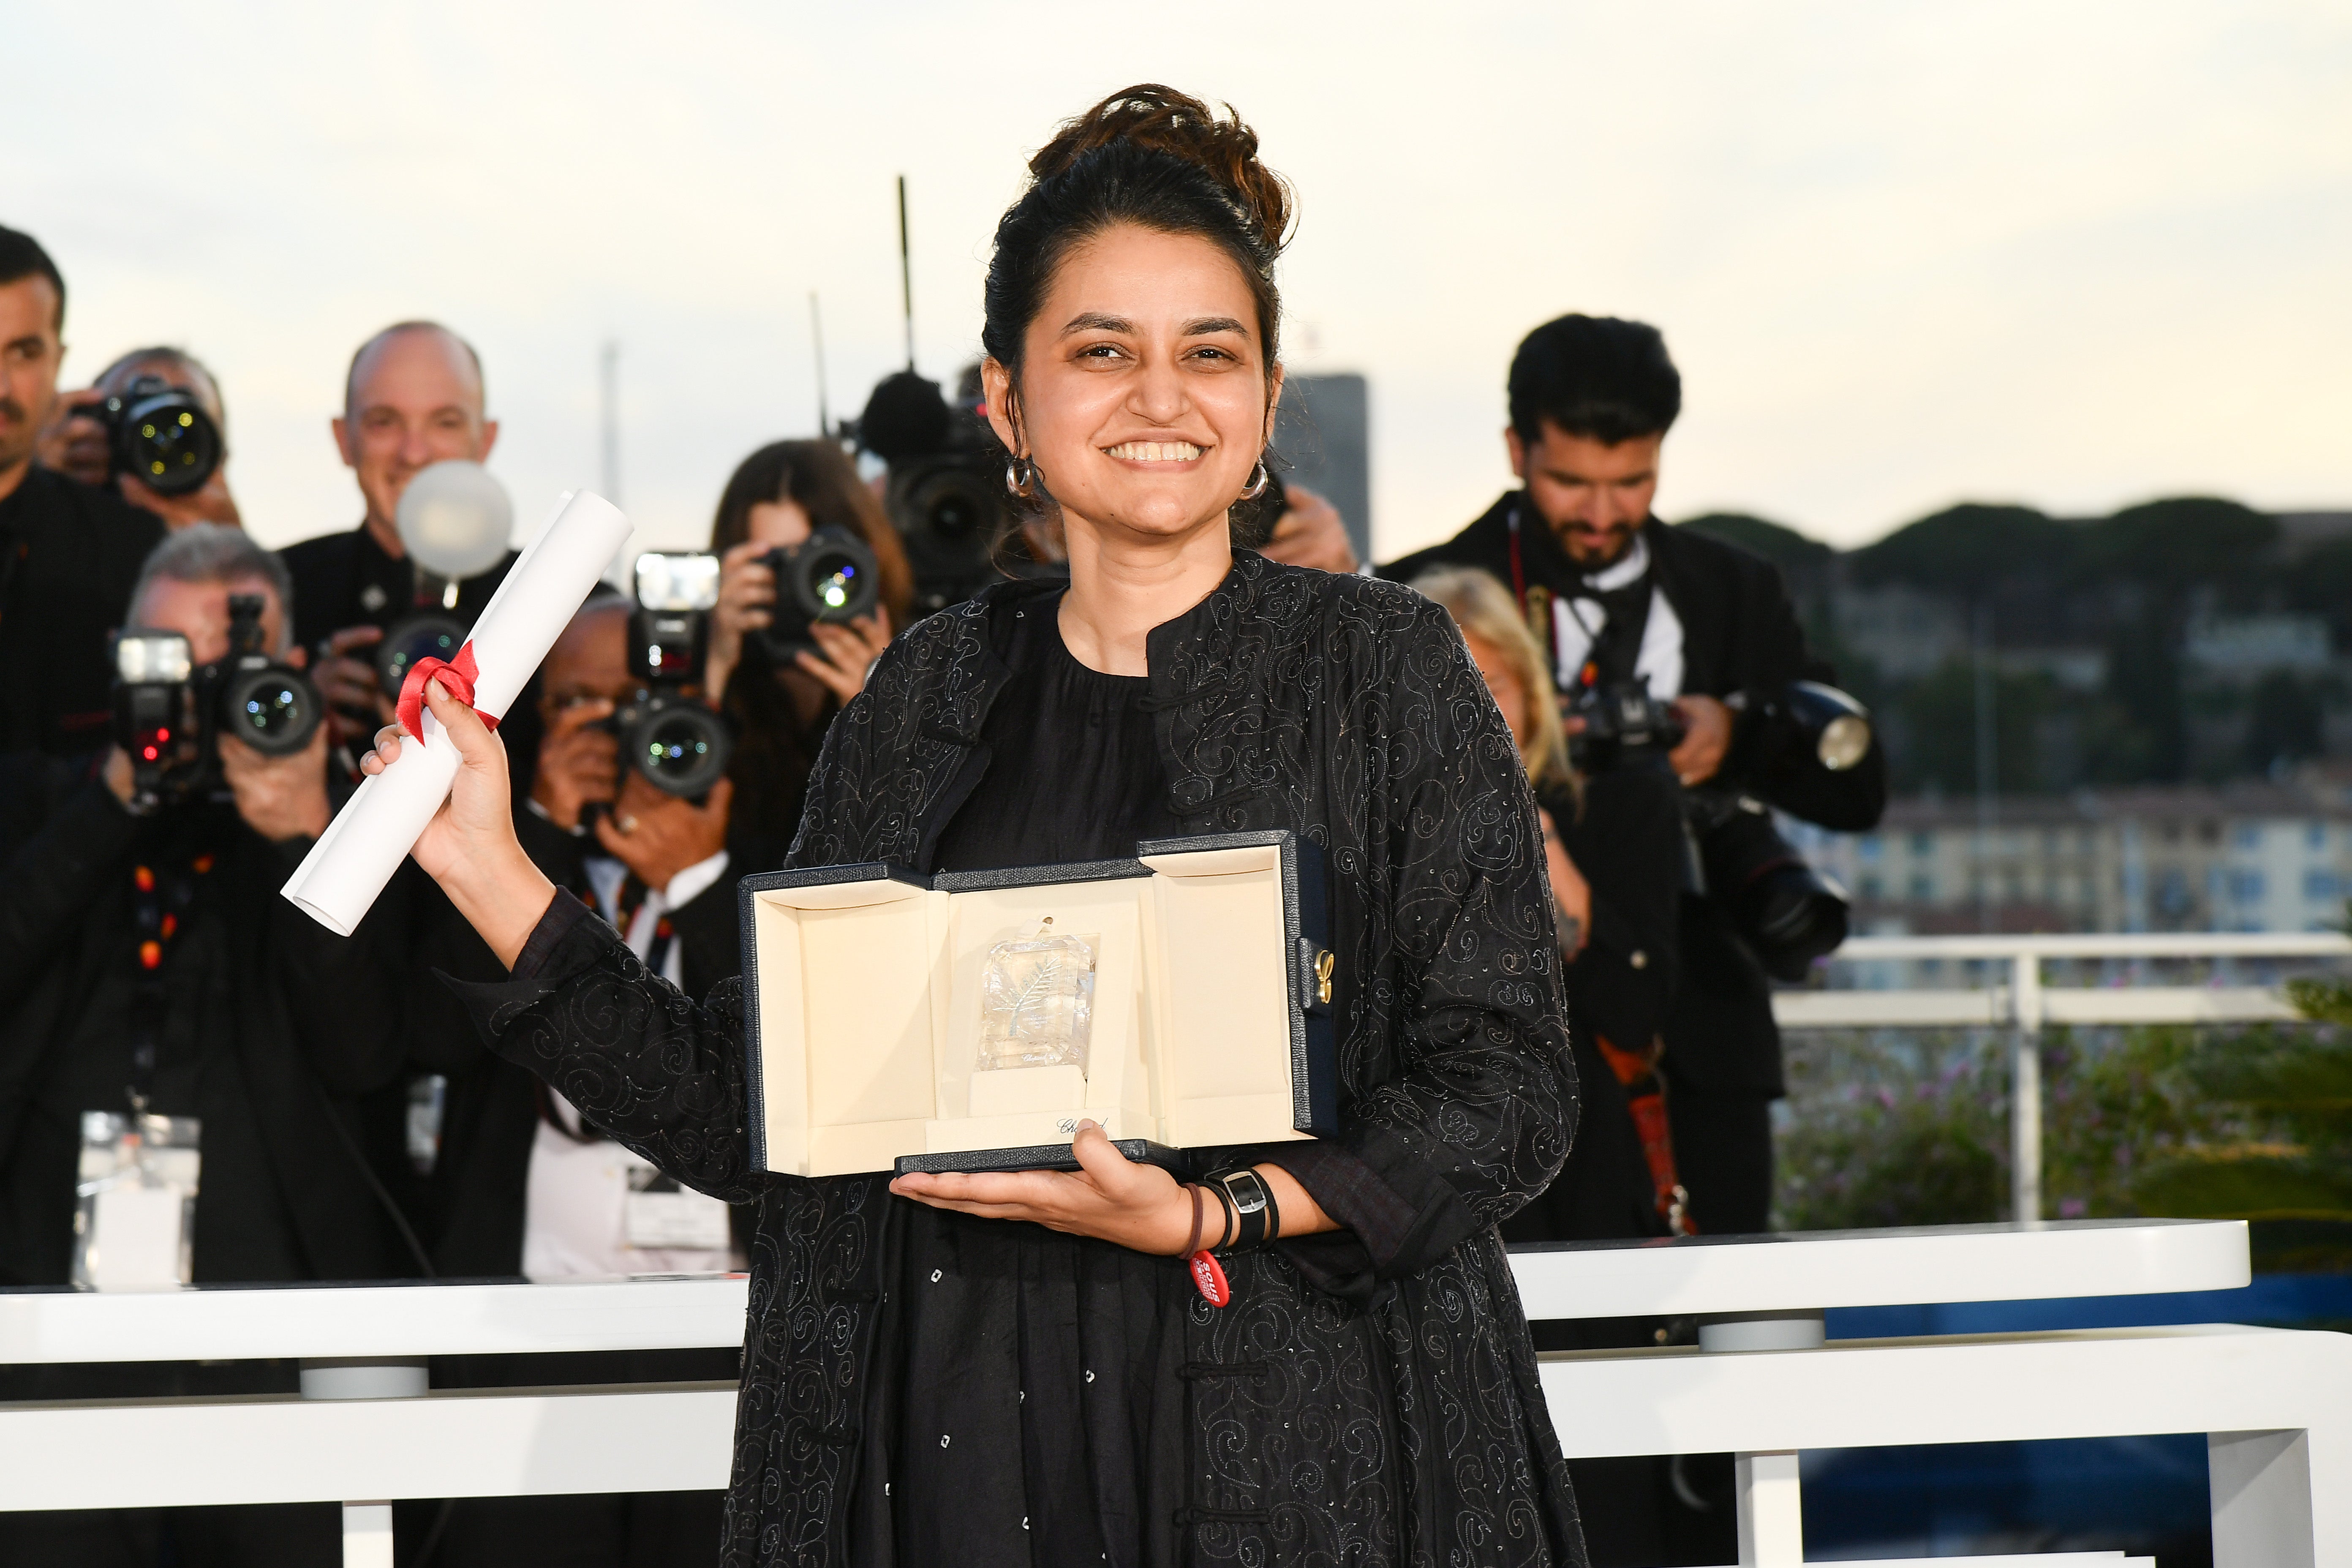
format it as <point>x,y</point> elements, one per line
<point>469,847</point>
<point>846,653</point>
<point>747,597</point>
<point>1570,890</point>
<point>1109,1197</point>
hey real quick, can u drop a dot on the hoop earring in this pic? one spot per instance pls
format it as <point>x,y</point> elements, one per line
<point>1259,479</point>
<point>1020,473</point>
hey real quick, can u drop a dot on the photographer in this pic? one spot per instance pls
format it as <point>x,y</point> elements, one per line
<point>414,396</point>
<point>1628,606</point>
<point>778,697</point>
<point>147,961</point>
<point>79,443</point>
<point>68,552</point>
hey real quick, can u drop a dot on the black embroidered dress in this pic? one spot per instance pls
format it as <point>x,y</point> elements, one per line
<point>921,1386</point>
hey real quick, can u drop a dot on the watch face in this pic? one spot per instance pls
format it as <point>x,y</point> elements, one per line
<point>1248,1193</point>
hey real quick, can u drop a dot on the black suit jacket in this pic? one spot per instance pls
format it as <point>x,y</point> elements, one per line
<point>68,556</point>
<point>252,1043</point>
<point>1740,638</point>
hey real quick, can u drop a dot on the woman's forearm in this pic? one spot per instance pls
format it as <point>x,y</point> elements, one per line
<point>502,897</point>
<point>1301,1214</point>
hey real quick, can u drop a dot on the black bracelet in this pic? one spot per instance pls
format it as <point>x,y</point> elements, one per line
<point>1257,1219</point>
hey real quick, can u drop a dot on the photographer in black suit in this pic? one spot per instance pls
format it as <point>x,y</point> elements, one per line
<point>147,963</point>
<point>1626,603</point>
<point>68,552</point>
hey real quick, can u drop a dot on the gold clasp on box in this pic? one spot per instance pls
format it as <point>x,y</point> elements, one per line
<point>1325,962</point>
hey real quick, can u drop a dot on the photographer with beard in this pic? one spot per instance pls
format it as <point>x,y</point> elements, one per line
<point>1625,603</point>
<point>147,963</point>
<point>68,552</point>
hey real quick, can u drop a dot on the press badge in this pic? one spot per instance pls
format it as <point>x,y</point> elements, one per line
<point>136,1206</point>
<point>658,1213</point>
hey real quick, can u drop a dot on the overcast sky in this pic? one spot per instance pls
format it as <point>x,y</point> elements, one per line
<point>2066,253</point>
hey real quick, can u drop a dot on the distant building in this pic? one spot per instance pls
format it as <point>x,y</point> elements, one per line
<point>2251,856</point>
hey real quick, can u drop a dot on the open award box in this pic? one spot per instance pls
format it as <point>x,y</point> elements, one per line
<point>969,1021</point>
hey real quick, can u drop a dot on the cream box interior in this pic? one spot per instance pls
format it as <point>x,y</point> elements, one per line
<point>865,1009</point>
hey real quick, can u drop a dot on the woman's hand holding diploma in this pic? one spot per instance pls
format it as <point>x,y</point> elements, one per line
<point>469,847</point>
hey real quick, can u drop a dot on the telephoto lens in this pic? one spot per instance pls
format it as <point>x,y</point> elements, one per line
<point>678,744</point>
<point>269,706</point>
<point>161,436</point>
<point>275,708</point>
<point>1787,913</point>
<point>829,576</point>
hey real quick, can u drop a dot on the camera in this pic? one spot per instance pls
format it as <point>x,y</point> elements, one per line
<point>946,492</point>
<point>427,634</point>
<point>1786,913</point>
<point>169,714</point>
<point>1624,726</point>
<point>160,435</point>
<point>831,576</point>
<point>674,739</point>
<point>454,521</point>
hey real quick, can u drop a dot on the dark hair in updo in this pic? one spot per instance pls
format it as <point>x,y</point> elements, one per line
<point>1148,155</point>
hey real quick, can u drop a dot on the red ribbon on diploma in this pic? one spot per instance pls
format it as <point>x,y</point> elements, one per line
<point>457,676</point>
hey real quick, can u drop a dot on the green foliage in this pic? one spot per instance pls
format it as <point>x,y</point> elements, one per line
<point>1936,740</point>
<point>2177,544</point>
<point>1891,1130</point>
<point>2255,1124</point>
<point>1784,547</point>
<point>2114,1107</point>
<point>1969,549</point>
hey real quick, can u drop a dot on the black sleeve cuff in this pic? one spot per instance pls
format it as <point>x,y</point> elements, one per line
<point>1400,1216</point>
<point>563,912</point>
<point>567,941</point>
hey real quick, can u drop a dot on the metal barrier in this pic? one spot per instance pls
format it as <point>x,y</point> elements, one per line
<point>2024,1004</point>
<point>1762,1383</point>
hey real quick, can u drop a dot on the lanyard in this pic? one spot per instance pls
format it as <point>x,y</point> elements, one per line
<point>1536,609</point>
<point>158,909</point>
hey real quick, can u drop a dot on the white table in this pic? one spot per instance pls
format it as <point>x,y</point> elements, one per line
<point>2275,1404</point>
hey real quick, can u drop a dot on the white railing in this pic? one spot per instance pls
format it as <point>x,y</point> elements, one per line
<point>1762,1383</point>
<point>2024,1006</point>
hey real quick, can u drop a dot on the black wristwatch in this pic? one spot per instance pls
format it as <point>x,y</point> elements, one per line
<point>1256,1220</point>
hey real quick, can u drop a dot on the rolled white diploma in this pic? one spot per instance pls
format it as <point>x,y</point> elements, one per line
<point>339,880</point>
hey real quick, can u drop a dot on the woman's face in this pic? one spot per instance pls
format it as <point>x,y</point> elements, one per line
<point>1145,401</point>
<point>775,522</point>
<point>1510,695</point>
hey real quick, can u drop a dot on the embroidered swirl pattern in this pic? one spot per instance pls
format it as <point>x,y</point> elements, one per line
<point>1405,1428</point>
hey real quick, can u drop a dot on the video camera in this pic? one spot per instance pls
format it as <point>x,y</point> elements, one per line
<point>676,739</point>
<point>1787,913</point>
<point>945,494</point>
<point>169,715</point>
<point>160,435</point>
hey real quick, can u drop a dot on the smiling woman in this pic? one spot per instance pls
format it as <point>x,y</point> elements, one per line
<point>1017,1369</point>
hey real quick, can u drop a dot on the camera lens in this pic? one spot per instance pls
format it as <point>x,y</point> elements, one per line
<point>834,577</point>
<point>169,442</point>
<point>681,748</point>
<point>273,709</point>
<point>419,636</point>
